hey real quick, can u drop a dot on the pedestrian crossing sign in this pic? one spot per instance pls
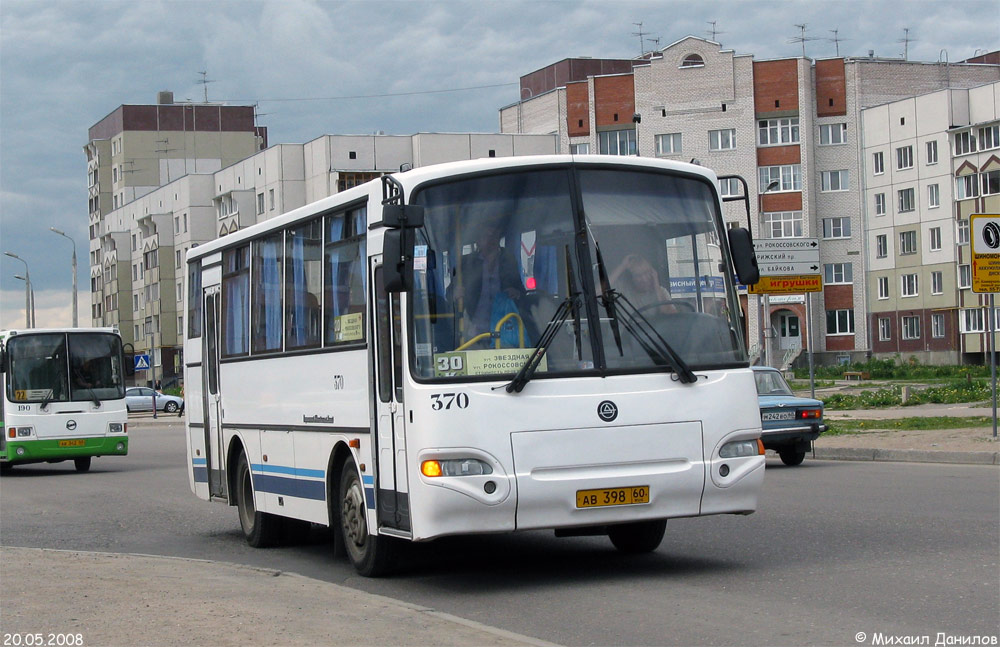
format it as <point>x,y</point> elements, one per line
<point>142,362</point>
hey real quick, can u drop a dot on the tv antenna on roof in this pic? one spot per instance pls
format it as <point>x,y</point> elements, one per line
<point>836,39</point>
<point>802,38</point>
<point>204,82</point>
<point>906,40</point>
<point>656,42</point>
<point>640,34</point>
<point>713,31</point>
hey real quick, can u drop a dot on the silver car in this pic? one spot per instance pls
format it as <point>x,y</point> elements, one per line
<point>140,398</point>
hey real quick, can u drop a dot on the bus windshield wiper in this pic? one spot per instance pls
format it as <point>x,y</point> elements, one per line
<point>651,341</point>
<point>562,313</point>
<point>608,300</point>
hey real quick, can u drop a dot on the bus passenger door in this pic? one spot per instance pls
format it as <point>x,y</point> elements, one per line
<point>390,435</point>
<point>211,395</point>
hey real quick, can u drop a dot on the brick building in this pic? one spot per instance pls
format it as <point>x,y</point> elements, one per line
<point>790,126</point>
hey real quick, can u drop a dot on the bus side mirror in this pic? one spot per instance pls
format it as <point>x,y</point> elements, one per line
<point>744,258</point>
<point>403,215</point>
<point>397,260</point>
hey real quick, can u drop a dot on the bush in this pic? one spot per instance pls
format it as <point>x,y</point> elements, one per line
<point>960,391</point>
<point>889,369</point>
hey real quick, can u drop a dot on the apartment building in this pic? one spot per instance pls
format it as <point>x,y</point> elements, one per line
<point>141,245</point>
<point>790,127</point>
<point>931,161</point>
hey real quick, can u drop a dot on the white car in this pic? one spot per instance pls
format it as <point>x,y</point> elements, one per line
<point>140,398</point>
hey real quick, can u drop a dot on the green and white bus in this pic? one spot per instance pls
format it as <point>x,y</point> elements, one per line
<point>63,396</point>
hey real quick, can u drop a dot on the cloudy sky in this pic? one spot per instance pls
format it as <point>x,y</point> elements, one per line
<point>320,67</point>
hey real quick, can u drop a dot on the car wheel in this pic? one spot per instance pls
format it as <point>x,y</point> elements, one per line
<point>170,407</point>
<point>259,528</point>
<point>791,457</point>
<point>371,555</point>
<point>82,464</point>
<point>639,537</point>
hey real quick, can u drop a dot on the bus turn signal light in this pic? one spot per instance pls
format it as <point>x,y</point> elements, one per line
<point>430,469</point>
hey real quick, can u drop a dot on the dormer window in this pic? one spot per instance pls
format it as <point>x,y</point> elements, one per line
<point>693,60</point>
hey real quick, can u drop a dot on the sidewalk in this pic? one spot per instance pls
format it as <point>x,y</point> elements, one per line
<point>97,599</point>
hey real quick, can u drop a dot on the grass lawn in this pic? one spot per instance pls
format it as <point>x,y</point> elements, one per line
<point>839,427</point>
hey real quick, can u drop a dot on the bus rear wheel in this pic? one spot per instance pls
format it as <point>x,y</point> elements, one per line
<point>638,537</point>
<point>260,528</point>
<point>82,464</point>
<point>371,555</point>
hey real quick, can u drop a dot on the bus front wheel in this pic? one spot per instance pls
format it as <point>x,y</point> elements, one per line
<point>638,537</point>
<point>260,528</point>
<point>82,464</point>
<point>371,555</point>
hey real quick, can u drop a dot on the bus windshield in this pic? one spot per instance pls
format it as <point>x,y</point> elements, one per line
<point>58,367</point>
<point>498,267</point>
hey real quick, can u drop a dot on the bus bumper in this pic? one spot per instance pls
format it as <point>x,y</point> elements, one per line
<point>57,449</point>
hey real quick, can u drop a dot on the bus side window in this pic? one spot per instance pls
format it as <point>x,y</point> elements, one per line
<point>384,355</point>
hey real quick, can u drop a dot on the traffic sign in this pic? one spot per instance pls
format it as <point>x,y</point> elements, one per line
<point>788,284</point>
<point>985,238</point>
<point>787,256</point>
<point>142,362</point>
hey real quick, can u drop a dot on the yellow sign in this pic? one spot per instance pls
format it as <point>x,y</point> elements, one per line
<point>788,284</point>
<point>349,327</point>
<point>985,237</point>
<point>497,361</point>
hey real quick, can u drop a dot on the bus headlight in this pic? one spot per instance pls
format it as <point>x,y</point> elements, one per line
<point>741,448</point>
<point>19,432</point>
<point>116,427</point>
<point>455,467</point>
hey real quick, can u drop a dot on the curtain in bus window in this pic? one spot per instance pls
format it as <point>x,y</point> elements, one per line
<point>267,294</point>
<point>303,285</point>
<point>235,301</point>
<point>334,301</point>
<point>360,227</point>
<point>194,300</point>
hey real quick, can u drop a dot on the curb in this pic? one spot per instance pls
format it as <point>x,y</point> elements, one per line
<point>906,456</point>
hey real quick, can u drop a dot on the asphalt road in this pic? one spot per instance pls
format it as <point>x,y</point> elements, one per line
<point>836,548</point>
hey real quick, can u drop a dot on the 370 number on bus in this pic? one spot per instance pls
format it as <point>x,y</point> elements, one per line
<point>445,401</point>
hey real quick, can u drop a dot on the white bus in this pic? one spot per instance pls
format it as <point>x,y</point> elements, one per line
<point>478,347</point>
<point>63,396</point>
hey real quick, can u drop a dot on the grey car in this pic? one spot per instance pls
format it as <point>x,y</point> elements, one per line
<point>140,398</point>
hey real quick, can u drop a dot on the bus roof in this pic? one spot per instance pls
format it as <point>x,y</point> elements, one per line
<point>26,331</point>
<point>414,177</point>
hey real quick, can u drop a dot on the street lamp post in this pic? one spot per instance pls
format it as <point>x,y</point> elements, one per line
<point>31,289</point>
<point>29,300</point>
<point>76,320</point>
<point>764,301</point>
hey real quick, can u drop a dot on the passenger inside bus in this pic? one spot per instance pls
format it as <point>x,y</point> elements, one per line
<point>637,279</point>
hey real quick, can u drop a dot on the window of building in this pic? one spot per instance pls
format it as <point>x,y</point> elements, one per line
<point>184,222</point>
<point>911,327</point>
<point>989,137</point>
<point>834,180</point>
<point>991,182</point>
<point>933,196</point>
<point>963,232</point>
<point>937,326</point>
<point>906,200</point>
<point>580,149</point>
<point>908,284</point>
<point>935,236</point>
<point>722,140</point>
<point>904,157</point>
<point>884,328</point>
<point>730,186</point>
<point>834,273</point>
<point>967,187</point>
<point>837,227</point>
<point>617,142</point>
<point>907,242</point>
<point>693,60</point>
<point>878,163</point>
<point>260,203</point>
<point>937,282</point>
<point>783,224</point>
<point>840,322</point>
<point>788,177</point>
<point>774,132</point>
<point>668,144</point>
<point>883,287</point>
<point>965,143</point>
<point>879,204</point>
<point>932,153</point>
<point>881,246</point>
<point>270,199</point>
<point>832,134</point>
<point>973,320</point>
<point>964,277</point>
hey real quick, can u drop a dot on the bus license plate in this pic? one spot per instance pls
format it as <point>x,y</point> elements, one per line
<point>72,443</point>
<point>612,496</point>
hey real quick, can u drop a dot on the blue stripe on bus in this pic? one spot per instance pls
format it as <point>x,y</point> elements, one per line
<point>291,471</point>
<point>201,475</point>
<point>368,480</point>
<point>291,487</point>
<point>370,497</point>
<point>199,461</point>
